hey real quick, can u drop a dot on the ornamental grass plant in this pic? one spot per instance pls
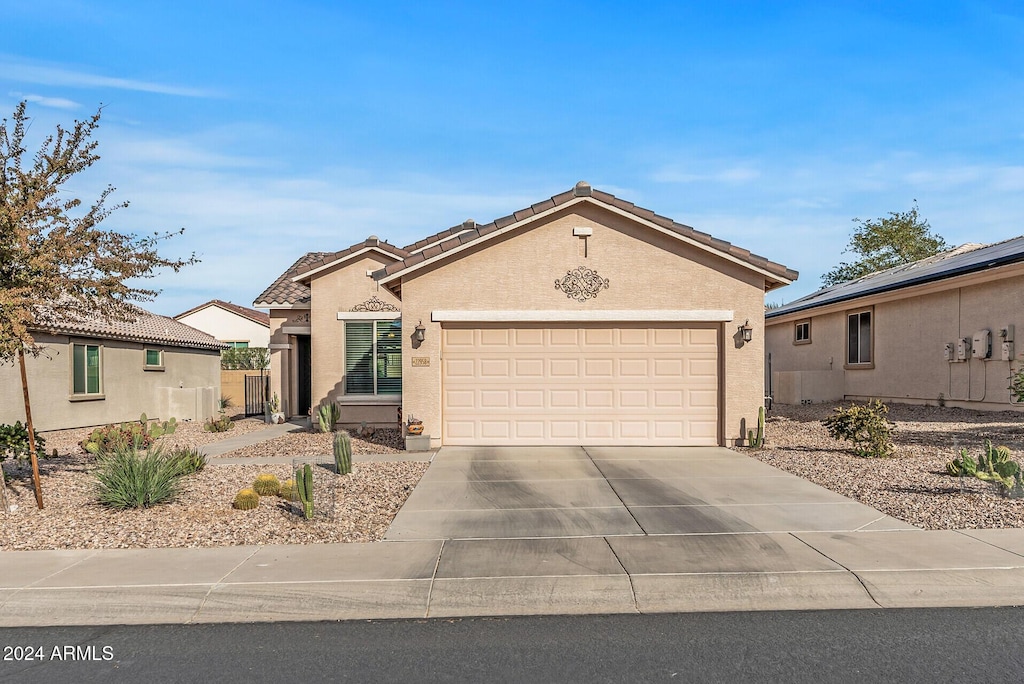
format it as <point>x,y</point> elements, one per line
<point>131,478</point>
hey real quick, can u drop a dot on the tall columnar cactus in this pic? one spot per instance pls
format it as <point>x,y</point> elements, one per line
<point>343,453</point>
<point>756,441</point>
<point>304,483</point>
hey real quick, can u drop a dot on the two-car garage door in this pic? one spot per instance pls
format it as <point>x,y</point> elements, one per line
<point>585,384</point>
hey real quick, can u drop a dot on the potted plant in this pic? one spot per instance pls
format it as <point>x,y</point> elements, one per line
<point>274,408</point>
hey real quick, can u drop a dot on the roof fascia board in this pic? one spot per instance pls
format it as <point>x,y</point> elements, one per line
<point>976,277</point>
<point>699,245</point>
<point>545,316</point>
<point>486,238</point>
<point>309,274</point>
<point>577,200</point>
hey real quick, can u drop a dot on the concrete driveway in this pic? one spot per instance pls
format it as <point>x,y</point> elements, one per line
<point>533,492</point>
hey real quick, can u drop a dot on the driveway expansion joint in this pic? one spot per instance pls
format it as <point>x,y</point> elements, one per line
<point>618,496</point>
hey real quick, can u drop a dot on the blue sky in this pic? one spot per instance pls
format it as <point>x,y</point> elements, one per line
<point>267,130</point>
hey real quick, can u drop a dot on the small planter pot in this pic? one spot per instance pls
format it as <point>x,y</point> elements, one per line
<point>277,418</point>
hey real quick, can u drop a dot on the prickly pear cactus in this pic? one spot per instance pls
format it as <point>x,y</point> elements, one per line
<point>267,485</point>
<point>246,500</point>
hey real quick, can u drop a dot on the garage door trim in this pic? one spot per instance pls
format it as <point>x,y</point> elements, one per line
<point>597,316</point>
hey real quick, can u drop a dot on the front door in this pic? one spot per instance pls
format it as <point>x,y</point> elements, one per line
<point>305,375</point>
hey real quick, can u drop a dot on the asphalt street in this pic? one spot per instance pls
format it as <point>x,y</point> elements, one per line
<point>932,645</point>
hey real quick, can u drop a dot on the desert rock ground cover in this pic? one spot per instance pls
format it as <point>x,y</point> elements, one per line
<point>912,485</point>
<point>202,515</point>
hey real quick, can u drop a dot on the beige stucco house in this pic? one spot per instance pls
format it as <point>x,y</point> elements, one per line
<point>237,326</point>
<point>937,331</point>
<point>96,372</point>
<point>582,319</point>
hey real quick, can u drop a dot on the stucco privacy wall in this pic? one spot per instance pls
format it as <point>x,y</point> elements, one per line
<point>646,271</point>
<point>339,291</point>
<point>910,334</point>
<point>227,326</point>
<point>187,388</point>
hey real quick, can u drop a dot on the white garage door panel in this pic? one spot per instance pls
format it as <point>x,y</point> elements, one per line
<point>580,385</point>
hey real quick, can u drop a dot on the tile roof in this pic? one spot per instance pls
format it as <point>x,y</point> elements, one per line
<point>285,292</point>
<point>243,311</point>
<point>968,258</point>
<point>329,258</point>
<point>469,231</point>
<point>147,327</point>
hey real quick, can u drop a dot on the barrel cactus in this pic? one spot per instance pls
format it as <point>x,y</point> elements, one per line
<point>246,500</point>
<point>288,491</point>
<point>267,485</point>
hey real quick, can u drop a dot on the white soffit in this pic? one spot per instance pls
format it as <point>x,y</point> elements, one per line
<point>651,315</point>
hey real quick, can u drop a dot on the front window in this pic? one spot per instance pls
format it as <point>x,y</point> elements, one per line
<point>858,346</point>
<point>237,345</point>
<point>85,369</point>
<point>373,357</point>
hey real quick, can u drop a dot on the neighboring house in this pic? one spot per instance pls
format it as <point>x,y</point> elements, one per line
<point>95,372</point>
<point>936,331</point>
<point>582,319</point>
<point>237,326</point>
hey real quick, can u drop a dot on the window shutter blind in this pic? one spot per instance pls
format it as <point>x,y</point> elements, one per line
<point>358,357</point>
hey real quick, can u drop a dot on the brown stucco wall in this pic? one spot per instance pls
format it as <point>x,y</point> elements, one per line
<point>911,330</point>
<point>646,270</point>
<point>187,388</point>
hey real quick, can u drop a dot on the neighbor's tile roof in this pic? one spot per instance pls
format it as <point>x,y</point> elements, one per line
<point>243,311</point>
<point>285,292</point>
<point>146,328</point>
<point>468,232</point>
<point>968,258</point>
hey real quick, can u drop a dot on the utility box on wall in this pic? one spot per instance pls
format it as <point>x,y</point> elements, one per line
<point>981,345</point>
<point>963,349</point>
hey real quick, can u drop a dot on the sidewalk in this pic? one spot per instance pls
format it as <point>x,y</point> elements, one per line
<point>421,579</point>
<point>605,572</point>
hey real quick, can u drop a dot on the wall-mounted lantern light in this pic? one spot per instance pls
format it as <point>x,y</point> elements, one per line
<point>419,334</point>
<point>746,331</point>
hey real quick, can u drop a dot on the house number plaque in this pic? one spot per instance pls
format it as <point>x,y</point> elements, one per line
<point>420,361</point>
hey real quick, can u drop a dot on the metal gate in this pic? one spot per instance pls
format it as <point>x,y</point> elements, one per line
<point>257,391</point>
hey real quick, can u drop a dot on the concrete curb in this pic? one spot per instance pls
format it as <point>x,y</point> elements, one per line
<point>587,575</point>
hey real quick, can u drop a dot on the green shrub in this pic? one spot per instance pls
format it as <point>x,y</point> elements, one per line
<point>14,442</point>
<point>127,478</point>
<point>866,426</point>
<point>188,460</point>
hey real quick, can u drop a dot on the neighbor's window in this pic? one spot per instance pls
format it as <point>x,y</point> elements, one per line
<point>154,359</point>
<point>85,369</point>
<point>802,333</point>
<point>237,345</point>
<point>858,344</point>
<point>373,357</point>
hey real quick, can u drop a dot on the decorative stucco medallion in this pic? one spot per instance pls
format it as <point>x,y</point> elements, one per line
<point>374,304</point>
<point>581,284</point>
<point>301,318</point>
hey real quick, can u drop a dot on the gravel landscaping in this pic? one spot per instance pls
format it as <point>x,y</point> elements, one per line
<point>202,515</point>
<point>913,485</point>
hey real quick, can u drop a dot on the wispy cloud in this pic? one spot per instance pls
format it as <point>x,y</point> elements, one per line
<point>44,101</point>
<point>13,69</point>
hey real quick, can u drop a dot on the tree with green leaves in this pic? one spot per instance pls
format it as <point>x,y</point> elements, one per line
<point>899,238</point>
<point>56,263</point>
